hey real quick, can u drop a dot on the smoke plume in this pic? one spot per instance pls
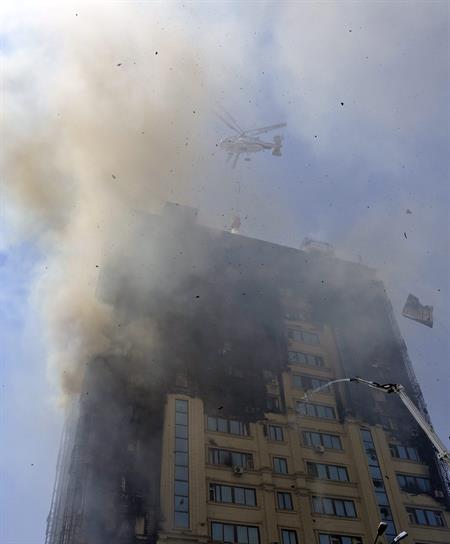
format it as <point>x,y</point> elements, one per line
<point>103,121</point>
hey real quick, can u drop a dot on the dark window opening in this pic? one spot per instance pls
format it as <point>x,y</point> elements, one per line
<point>230,458</point>
<point>284,501</point>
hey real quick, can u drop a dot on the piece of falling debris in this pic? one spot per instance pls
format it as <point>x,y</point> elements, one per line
<point>235,225</point>
<point>119,64</point>
<point>414,310</point>
<point>220,408</point>
<point>408,211</point>
<point>113,176</point>
<point>404,234</point>
<point>342,103</point>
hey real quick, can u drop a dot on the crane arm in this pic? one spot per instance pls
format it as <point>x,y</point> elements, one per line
<point>413,410</point>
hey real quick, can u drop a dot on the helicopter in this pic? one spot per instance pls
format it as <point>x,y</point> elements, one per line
<point>247,141</point>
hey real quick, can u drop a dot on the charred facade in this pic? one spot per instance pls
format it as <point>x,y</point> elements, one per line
<point>227,315</point>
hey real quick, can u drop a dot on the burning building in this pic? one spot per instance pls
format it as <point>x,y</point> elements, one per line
<point>203,433</point>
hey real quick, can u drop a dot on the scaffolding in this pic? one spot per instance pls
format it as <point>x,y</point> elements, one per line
<point>60,487</point>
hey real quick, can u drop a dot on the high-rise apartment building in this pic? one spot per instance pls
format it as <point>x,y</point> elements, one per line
<point>206,435</point>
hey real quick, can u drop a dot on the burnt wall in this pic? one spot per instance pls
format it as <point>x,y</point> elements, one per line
<point>114,469</point>
<point>211,302</point>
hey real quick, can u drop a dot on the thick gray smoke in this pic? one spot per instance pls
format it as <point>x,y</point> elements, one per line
<point>103,121</point>
<point>107,113</point>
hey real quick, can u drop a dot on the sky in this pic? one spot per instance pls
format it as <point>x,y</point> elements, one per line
<point>108,108</point>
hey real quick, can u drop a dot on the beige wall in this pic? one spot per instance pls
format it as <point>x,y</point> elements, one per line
<point>265,515</point>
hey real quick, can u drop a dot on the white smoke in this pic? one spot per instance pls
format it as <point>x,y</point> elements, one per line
<point>106,115</point>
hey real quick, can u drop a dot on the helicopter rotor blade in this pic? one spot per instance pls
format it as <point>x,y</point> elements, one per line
<point>228,123</point>
<point>233,120</point>
<point>261,130</point>
<point>230,118</point>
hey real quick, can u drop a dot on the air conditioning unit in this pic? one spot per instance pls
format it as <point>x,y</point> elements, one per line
<point>438,494</point>
<point>238,469</point>
<point>319,449</point>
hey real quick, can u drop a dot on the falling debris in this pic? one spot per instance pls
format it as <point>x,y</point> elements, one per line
<point>408,211</point>
<point>414,310</point>
<point>236,224</point>
<point>317,246</point>
<point>404,234</point>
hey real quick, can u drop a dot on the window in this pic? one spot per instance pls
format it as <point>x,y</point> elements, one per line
<point>139,526</point>
<point>329,441</point>
<point>273,404</point>
<point>280,465</point>
<point>307,382</point>
<point>378,483</point>
<point>241,534</point>
<point>232,494</point>
<point>334,507</point>
<point>303,336</point>
<point>181,379</point>
<point>339,539</point>
<point>230,458</point>
<point>327,472</point>
<point>315,410</point>
<point>316,382</point>
<point>234,371</point>
<point>404,452</point>
<point>420,516</point>
<point>288,536</point>
<point>381,497</point>
<point>300,358</point>
<point>269,375</point>
<point>294,314</point>
<point>389,423</point>
<point>231,426</point>
<point>181,483</point>
<point>275,432</point>
<point>413,484</point>
<point>284,501</point>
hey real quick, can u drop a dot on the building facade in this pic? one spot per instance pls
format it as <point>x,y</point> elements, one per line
<point>214,435</point>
